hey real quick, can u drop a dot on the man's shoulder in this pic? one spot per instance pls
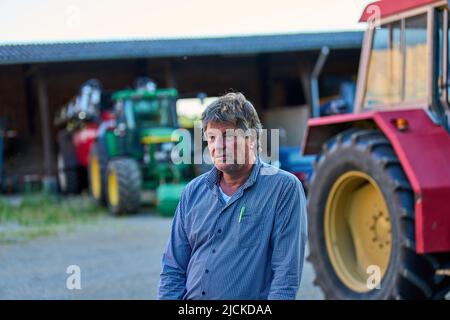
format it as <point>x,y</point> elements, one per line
<point>196,183</point>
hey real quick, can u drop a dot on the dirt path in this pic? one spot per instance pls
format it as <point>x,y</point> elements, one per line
<point>119,258</point>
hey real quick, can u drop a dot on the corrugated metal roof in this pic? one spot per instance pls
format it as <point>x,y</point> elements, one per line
<point>80,51</point>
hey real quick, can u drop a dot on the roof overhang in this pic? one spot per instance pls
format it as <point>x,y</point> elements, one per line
<point>387,8</point>
<point>186,47</point>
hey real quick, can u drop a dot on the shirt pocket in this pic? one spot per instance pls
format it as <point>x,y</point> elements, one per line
<point>249,230</point>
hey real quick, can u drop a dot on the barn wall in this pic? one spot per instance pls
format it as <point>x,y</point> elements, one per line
<point>270,81</point>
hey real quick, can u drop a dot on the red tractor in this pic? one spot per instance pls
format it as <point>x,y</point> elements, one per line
<point>379,221</point>
<point>79,121</point>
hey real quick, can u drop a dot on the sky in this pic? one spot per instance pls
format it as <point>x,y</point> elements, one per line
<point>25,21</point>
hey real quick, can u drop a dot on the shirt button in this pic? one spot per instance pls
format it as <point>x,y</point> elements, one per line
<point>206,271</point>
<point>214,250</point>
<point>219,231</point>
<point>203,293</point>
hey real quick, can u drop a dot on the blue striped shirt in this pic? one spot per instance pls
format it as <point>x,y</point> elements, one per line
<point>219,250</point>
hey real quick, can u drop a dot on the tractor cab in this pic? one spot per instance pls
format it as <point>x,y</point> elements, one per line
<point>141,109</point>
<point>145,118</point>
<point>404,63</point>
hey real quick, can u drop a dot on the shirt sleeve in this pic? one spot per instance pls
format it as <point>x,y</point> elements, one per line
<point>172,283</point>
<point>288,241</point>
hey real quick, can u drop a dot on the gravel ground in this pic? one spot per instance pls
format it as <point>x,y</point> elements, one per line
<point>119,258</point>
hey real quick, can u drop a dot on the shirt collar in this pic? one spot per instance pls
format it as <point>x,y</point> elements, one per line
<point>213,175</point>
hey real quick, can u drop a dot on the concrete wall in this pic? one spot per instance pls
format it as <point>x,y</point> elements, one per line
<point>291,121</point>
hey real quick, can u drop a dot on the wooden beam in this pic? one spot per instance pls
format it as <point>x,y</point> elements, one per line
<point>29,98</point>
<point>45,124</point>
<point>305,67</point>
<point>305,79</point>
<point>171,82</point>
<point>264,81</point>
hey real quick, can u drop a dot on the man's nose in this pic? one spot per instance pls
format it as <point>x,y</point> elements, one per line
<point>220,146</point>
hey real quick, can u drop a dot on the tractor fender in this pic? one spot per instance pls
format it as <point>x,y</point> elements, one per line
<point>423,150</point>
<point>82,140</point>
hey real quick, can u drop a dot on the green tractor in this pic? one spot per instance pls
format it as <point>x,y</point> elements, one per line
<point>132,152</point>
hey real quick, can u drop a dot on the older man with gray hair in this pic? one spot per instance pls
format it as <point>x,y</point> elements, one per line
<point>239,231</point>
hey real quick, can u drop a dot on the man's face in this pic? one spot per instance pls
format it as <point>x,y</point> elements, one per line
<point>228,146</point>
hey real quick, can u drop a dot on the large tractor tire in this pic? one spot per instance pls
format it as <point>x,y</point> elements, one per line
<point>123,186</point>
<point>361,221</point>
<point>98,163</point>
<point>69,172</point>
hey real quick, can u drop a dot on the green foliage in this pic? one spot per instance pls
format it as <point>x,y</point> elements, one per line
<point>41,209</point>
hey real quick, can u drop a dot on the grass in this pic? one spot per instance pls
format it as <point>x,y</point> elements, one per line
<point>28,233</point>
<point>38,215</point>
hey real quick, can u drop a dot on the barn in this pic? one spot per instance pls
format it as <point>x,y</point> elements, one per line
<point>273,71</point>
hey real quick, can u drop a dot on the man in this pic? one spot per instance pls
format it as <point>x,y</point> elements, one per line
<point>239,231</point>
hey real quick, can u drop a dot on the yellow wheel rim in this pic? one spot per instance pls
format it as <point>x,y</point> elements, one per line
<point>357,229</point>
<point>113,188</point>
<point>96,183</point>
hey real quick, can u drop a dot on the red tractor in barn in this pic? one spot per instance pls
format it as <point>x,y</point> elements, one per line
<point>78,122</point>
<point>379,221</point>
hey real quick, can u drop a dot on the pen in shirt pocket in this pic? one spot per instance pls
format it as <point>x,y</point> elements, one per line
<point>242,213</point>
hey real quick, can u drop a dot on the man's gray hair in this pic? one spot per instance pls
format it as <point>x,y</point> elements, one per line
<point>233,108</point>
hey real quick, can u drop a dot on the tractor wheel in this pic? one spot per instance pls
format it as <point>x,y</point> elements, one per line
<point>123,186</point>
<point>98,163</point>
<point>69,175</point>
<point>361,224</point>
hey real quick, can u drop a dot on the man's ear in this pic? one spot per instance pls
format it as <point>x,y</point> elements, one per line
<point>253,142</point>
